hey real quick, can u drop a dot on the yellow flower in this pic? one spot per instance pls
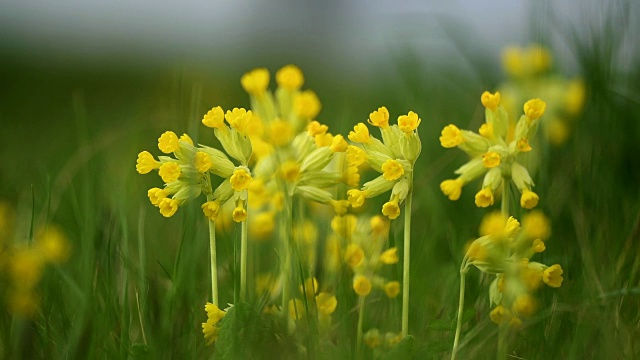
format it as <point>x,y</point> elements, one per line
<point>552,276</point>
<point>53,245</point>
<point>360,134</point>
<point>513,61</point>
<point>536,225</point>
<point>534,109</point>
<point>392,170</point>
<point>523,145</point>
<point>379,225</point>
<point>338,144</point>
<point>362,285</point>
<point>355,156</point>
<point>451,136</point>
<point>211,209</point>
<point>486,130</point>
<point>146,163</point>
<point>156,195</point>
<point>186,138</point>
<point>262,225</point>
<point>239,214</point>
<point>391,209</point>
<point>408,123</point>
<point>390,256</point>
<point>289,77</point>
<point>492,223</point>
<point>484,198</point>
<point>323,140</point>
<point>310,287</point>
<point>476,252</point>
<point>214,314</point>
<point>340,206</point>
<point>23,302</point>
<point>307,105</point>
<point>452,188</point>
<point>538,246</point>
<point>351,176</point>
<point>557,131</point>
<point>491,159</point>
<point>202,162</point>
<point>315,128</point>
<point>169,171</point>
<point>25,267</point>
<point>255,82</point>
<point>524,305</point>
<point>296,309</point>
<point>168,207</point>
<point>540,58</point>
<point>574,97</point>
<point>489,100</point>
<point>499,314</point>
<point>214,118</point>
<point>353,255</point>
<point>379,118</point>
<point>344,225</point>
<point>326,303</point>
<point>168,142</point>
<point>239,119</point>
<point>210,332</point>
<point>240,179</point>
<point>290,170</point>
<point>356,197</point>
<point>281,132</point>
<point>529,199</point>
<point>392,289</point>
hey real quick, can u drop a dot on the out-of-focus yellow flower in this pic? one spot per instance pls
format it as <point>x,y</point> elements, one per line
<point>362,285</point>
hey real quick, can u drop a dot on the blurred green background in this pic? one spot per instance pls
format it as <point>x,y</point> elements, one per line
<point>84,87</point>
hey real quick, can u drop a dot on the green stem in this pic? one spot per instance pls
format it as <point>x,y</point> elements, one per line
<point>360,321</point>
<point>505,197</point>
<point>287,224</point>
<point>406,260</point>
<point>243,260</point>
<point>214,264</point>
<point>463,272</point>
<point>502,341</point>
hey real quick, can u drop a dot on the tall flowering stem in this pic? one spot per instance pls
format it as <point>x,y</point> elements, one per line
<point>214,263</point>
<point>504,326</point>
<point>243,260</point>
<point>463,272</point>
<point>360,322</point>
<point>407,259</point>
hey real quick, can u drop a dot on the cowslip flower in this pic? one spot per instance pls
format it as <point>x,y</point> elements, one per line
<point>493,153</point>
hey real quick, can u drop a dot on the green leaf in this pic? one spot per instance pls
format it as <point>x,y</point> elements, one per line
<point>402,350</point>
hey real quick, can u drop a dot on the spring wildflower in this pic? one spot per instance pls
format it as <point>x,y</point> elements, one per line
<point>210,328</point>
<point>492,154</point>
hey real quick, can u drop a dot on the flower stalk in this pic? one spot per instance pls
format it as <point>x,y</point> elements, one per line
<point>407,259</point>
<point>214,263</point>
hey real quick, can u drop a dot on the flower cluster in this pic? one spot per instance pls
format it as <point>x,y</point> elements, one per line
<point>210,328</point>
<point>505,250</point>
<point>494,152</point>
<point>393,158</point>
<point>313,301</point>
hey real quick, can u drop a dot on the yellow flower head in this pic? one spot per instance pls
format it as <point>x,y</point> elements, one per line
<point>355,156</point>
<point>281,132</point>
<point>552,276</point>
<point>168,207</point>
<point>186,138</point>
<point>392,289</point>
<point>392,170</point>
<point>146,163</point>
<point>476,252</point>
<point>290,77</point>
<point>323,140</point>
<point>379,225</point>
<point>339,144</point>
<point>513,61</point>
<point>391,209</point>
<point>240,179</point>
<point>451,136</point>
<point>452,188</point>
<point>491,159</point>
<point>290,170</point>
<point>214,118</point>
<point>169,171</point>
<point>536,225</point>
<point>356,197</point>
<point>202,162</point>
<point>239,214</point>
<point>25,267</point>
<point>168,142</point>
<point>340,206</point>
<point>307,105</point>
<point>344,225</point>
<point>362,285</point>
<point>214,314</point>
<point>390,256</point>
<point>353,255</point>
<point>523,145</point>
<point>351,176</point>
<point>326,303</point>
<point>524,305</point>
<point>255,82</point>
<point>296,309</point>
<point>486,130</point>
<point>540,58</point>
<point>211,209</point>
<point>379,118</point>
<point>489,100</point>
<point>239,119</point>
<point>511,227</point>
<point>408,123</point>
<point>315,128</point>
<point>360,134</point>
<point>534,109</point>
<point>538,246</point>
<point>156,195</point>
<point>499,314</point>
<point>574,97</point>
<point>529,199</point>
<point>53,245</point>
<point>492,223</point>
<point>484,198</point>
<point>310,288</point>
<point>262,225</point>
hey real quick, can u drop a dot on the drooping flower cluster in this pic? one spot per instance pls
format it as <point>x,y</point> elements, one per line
<point>505,250</point>
<point>494,153</point>
<point>210,328</point>
<point>530,73</point>
<point>393,157</point>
